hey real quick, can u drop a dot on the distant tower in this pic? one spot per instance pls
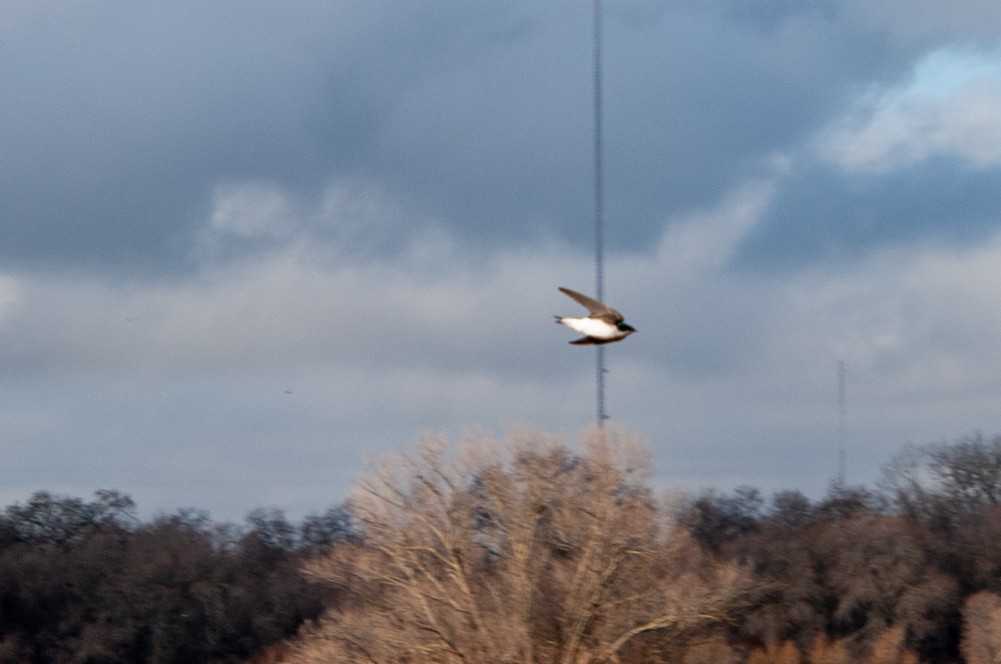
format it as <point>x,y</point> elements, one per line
<point>842,410</point>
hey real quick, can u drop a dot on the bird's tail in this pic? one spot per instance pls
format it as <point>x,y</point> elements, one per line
<point>559,319</point>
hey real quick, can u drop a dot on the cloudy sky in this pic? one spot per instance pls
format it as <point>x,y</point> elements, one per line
<point>246,245</point>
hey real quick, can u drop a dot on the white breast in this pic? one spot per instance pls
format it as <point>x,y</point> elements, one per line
<point>591,327</point>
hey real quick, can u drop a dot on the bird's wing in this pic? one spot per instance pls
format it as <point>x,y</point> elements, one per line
<point>591,304</point>
<point>610,316</point>
<point>597,309</point>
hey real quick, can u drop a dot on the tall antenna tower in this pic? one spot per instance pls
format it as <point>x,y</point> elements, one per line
<point>599,214</point>
<point>842,411</point>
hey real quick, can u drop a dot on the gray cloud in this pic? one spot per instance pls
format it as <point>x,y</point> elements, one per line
<point>123,120</point>
<point>247,245</point>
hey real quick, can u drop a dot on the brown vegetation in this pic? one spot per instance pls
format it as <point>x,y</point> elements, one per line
<point>87,582</point>
<point>520,552</point>
<point>982,629</point>
<point>525,551</point>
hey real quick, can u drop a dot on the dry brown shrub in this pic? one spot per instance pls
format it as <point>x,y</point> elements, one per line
<point>775,653</point>
<point>889,648</point>
<point>714,650</point>
<point>981,642</point>
<point>520,551</point>
<point>825,651</point>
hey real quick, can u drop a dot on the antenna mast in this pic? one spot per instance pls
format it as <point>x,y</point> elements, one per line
<point>599,213</point>
<point>842,410</point>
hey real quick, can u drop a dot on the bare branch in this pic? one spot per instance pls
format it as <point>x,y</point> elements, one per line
<point>516,552</point>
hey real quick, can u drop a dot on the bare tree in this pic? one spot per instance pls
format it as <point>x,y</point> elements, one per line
<point>969,470</point>
<point>517,552</point>
<point>946,481</point>
<point>881,578</point>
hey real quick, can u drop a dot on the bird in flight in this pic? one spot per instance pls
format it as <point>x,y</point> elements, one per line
<point>603,326</point>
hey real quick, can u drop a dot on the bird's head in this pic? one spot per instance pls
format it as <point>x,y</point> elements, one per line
<point>626,327</point>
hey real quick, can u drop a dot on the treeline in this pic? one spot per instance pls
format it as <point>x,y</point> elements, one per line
<point>87,581</point>
<point>525,550</point>
<point>912,567</point>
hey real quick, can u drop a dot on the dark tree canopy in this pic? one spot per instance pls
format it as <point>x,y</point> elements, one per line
<point>908,572</point>
<point>87,581</point>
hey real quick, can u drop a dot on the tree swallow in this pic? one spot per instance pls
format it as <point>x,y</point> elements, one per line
<point>603,326</point>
